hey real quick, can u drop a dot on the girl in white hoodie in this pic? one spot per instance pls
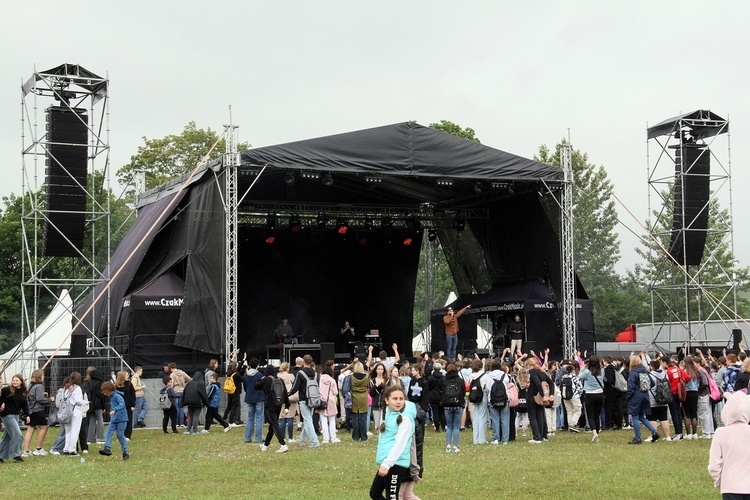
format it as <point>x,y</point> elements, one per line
<point>730,448</point>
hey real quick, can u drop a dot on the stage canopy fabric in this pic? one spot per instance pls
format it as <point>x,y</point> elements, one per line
<point>491,210</point>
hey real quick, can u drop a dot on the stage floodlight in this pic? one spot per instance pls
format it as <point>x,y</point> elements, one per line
<point>431,235</point>
<point>477,187</point>
<point>321,221</point>
<point>270,221</point>
<point>295,224</point>
<point>460,224</point>
<point>289,179</point>
<point>270,239</point>
<point>342,226</point>
<point>407,241</point>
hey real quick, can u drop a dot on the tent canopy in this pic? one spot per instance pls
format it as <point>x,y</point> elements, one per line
<point>487,207</point>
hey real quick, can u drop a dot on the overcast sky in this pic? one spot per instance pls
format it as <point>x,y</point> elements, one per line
<point>521,74</point>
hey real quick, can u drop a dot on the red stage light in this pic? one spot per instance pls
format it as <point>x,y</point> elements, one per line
<point>270,239</point>
<point>342,229</point>
<point>407,241</point>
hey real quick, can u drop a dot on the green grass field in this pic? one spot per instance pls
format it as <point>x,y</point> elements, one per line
<point>219,465</point>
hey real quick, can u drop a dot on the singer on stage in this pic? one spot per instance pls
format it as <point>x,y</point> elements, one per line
<point>451,331</point>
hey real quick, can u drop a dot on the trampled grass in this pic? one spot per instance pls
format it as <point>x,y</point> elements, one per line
<point>219,465</point>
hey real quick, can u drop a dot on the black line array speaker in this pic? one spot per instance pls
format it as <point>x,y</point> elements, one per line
<point>65,181</point>
<point>691,191</point>
<point>736,338</point>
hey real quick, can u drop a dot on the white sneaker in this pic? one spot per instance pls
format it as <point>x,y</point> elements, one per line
<point>369,433</point>
<point>26,454</point>
<point>677,437</point>
<point>85,452</point>
<point>263,447</point>
<point>39,453</point>
<point>667,438</point>
<point>648,439</point>
<point>226,429</point>
<point>324,441</point>
<point>534,441</point>
<point>291,440</point>
<point>695,436</point>
<point>335,440</point>
<point>205,431</point>
<point>707,436</point>
<point>495,441</point>
<point>455,449</point>
<point>284,448</point>
<point>688,436</point>
<point>447,448</point>
<point>54,452</point>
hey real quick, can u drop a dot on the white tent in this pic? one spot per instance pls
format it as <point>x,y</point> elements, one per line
<point>51,334</point>
<point>419,343</point>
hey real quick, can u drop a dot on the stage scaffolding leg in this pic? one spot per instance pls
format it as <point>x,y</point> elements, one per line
<point>568,269</point>
<point>231,166</point>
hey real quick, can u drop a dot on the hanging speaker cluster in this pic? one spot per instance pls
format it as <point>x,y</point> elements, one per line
<point>66,167</point>
<point>691,196</point>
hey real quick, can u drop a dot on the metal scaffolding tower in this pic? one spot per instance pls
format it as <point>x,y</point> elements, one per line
<point>231,167</point>
<point>692,170</point>
<point>568,280</point>
<point>66,184</point>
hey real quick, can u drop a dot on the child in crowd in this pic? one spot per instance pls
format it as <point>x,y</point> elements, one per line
<point>522,415</point>
<point>118,420</point>
<point>37,399</point>
<point>170,414</point>
<point>195,398</point>
<point>394,445</point>
<point>214,397</point>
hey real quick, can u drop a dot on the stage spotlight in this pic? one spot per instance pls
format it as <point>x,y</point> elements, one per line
<point>295,224</point>
<point>477,187</point>
<point>270,221</point>
<point>460,224</point>
<point>289,179</point>
<point>270,239</point>
<point>407,241</point>
<point>321,221</point>
<point>341,226</point>
<point>306,174</point>
<point>327,180</point>
<point>431,235</point>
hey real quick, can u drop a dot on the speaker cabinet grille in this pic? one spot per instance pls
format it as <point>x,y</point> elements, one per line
<point>691,192</point>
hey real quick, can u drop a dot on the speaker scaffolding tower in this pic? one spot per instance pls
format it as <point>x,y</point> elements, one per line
<point>66,184</point>
<point>691,174</point>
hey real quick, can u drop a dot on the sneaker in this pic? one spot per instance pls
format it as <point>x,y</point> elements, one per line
<point>677,437</point>
<point>688,437</point>
<point>655,437</point>
<point>635,441</point>
<point>71,453</point>
<point>574,429</point>
<point>545,440</point>
<point>695,436</point>
<point>106,452</point>
<point>369,433</point>
<point>17,459</point>
<point>707,436</point>
<point>315,445</point>
<point>205,431</point>
<point>595,439</point>
<point>534,441</point>
<point>627,427</point>
<point>263,447</point>
<point>26,454</point>
<point>335,440</point>
<point>550,434</point>
<point>54,452</point>
<point>494,441</point>
<point>291,440</point>
<point>447,448</point>
<point>39,452</point>
<point>100,442</point>
<point>284,448</point>
<point>85,452</point>
<point>667,438</point>
<point>125,456</point>
<point>648,439</point>
<point>455,449</point>
<point>226,429</point>
<point>324,441</point>
<point>524,434</point>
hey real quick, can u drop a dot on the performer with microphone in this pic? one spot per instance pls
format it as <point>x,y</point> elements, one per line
<point>451,331</point>
<point>283,332</point>
<point>347,338</point>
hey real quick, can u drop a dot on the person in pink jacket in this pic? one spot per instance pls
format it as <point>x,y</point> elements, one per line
<point>730,449</point>
<point>328,392</point>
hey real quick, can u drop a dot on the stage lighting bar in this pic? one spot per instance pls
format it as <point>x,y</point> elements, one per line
<point>310,175</point>
<point>375,179</point>
<point>444,182</point>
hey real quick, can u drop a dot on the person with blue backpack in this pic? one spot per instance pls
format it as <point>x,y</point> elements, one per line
<point>214,398</point>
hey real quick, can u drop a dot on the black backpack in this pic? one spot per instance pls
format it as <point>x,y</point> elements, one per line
<point>454,393</point>
<point>498,394</point>
<point>566,388</point>
<point>277,392</point>
<point>476,394</point>
<point>663,391</point>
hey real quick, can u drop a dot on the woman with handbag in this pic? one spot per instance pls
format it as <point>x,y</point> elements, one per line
<point>536,399</point>
<point>592,378</point>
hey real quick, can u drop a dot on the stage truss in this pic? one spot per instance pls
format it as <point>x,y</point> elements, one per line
<point>680,289</point>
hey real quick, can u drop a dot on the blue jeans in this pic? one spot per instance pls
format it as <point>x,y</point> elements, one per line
<point>287,427</point>
<point>451,343</point>
<point>359,426</point>
<point>500,423</point>
<point>10,443</point>
<point>637,420</point>
<point>59,444</point>
<point>118,427</point>
<point>255,412</point>
<point>452,425</point>
<point>140,409</point>
<point>308,428</point>
<point>180,410</point>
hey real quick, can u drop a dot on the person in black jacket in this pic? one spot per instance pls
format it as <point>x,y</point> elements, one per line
<point>272,409</point>
<point>613,398</point>
<point>537,419</point>
<point>97,405</point>
<point>233,400</point>
<point>436,385</point>
<point>195,398</point>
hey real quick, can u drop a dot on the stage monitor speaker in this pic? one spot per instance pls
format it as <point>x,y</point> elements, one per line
<point>691,196</point>
<point>65,181</point>
<point>736,338</point>
<point>327,352</point>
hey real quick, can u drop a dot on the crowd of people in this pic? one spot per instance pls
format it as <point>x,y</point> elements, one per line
<point>505,399</point>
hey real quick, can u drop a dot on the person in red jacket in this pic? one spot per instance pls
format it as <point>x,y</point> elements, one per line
<point>451,331</point>
<point>674,375</point>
